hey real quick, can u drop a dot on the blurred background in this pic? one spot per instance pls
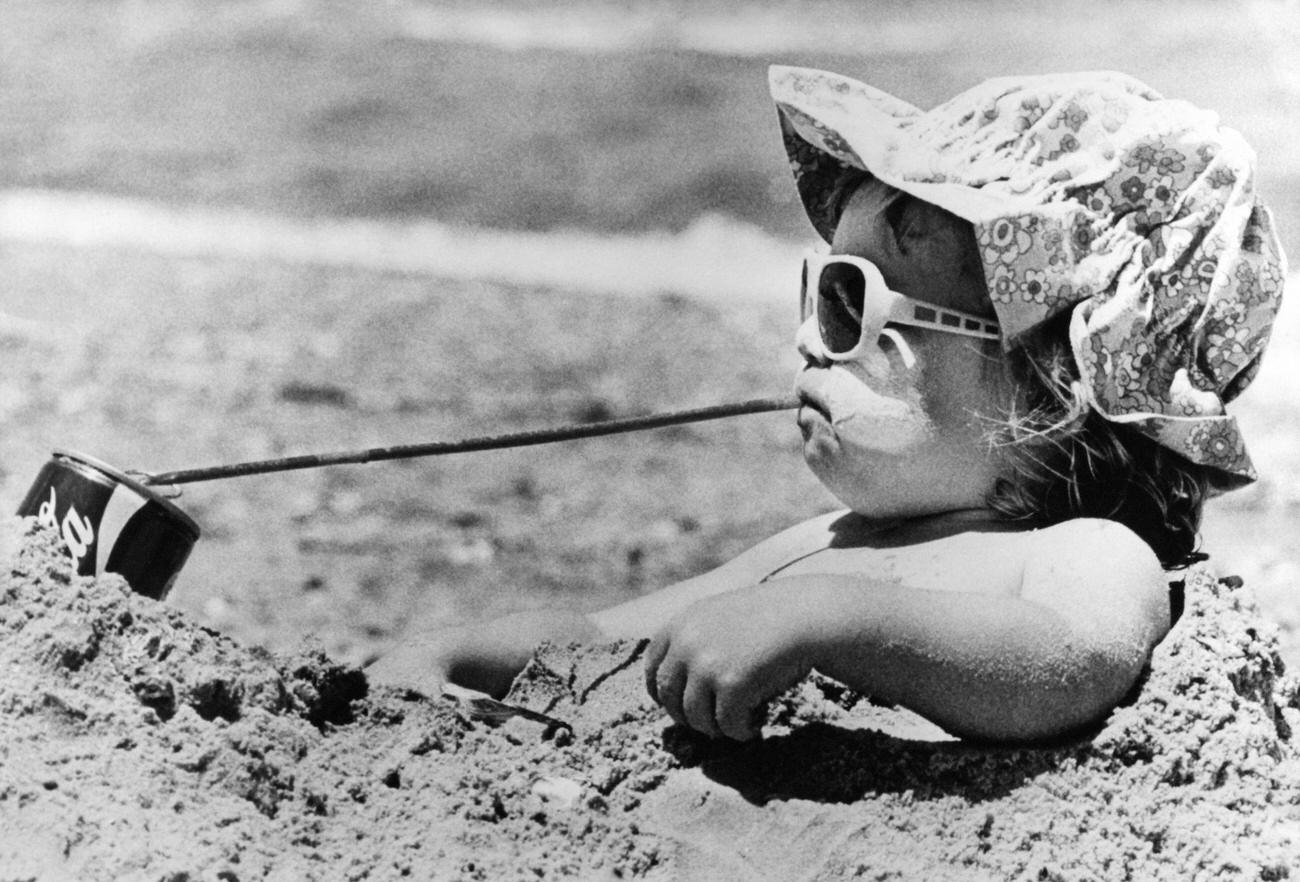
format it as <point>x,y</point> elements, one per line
<point>235,230</point>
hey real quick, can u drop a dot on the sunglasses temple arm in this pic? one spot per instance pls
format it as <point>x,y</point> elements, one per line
<point>904,351</point>
<point>903,312</point>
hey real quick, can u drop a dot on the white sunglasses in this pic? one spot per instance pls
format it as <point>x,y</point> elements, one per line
<point>852,303</point>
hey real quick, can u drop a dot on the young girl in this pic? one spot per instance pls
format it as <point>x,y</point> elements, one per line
<point>1036,299</point>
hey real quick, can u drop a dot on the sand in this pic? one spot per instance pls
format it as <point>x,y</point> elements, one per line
<point>138,745</point>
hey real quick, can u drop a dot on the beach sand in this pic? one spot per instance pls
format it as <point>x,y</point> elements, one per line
<point>139,745</point>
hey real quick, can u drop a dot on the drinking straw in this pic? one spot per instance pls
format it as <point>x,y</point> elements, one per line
<point>466,445</point>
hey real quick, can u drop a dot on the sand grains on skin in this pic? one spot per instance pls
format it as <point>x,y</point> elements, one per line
<point>137,745</point>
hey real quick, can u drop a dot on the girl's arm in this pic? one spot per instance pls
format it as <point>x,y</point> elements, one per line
<point>487,655</point>
<point>1058,653</point>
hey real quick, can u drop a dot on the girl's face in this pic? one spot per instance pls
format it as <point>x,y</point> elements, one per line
<point>891,440</point>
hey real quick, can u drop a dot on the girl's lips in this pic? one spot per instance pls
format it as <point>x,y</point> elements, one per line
<point>812,404</point>
<point>812,417</point>
<point>808,387</point>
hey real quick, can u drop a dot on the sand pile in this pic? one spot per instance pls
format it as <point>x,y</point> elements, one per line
<point>137,745</point>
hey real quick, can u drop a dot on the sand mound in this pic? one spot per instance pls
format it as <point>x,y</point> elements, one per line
<point>137,745</point>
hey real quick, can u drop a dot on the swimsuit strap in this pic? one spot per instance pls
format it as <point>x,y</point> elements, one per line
<point>936,524</point>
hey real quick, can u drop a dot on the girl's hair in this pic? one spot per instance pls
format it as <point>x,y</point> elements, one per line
<point>1061,459</point>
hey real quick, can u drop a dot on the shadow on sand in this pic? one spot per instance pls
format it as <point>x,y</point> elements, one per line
<point>824,762</point>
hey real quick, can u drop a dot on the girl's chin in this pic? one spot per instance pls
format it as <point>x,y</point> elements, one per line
<point>852,494</point>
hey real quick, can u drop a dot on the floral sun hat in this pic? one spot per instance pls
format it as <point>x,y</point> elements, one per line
<point>1088,192</point>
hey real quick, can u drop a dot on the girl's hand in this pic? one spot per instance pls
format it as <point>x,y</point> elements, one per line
<point>717,663</point>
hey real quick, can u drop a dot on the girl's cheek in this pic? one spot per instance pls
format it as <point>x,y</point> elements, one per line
<point>874,401</point>
<point>891,419</point>
<point>968,389</point>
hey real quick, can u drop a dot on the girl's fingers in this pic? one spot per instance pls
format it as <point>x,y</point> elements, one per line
<point>670,681</point>
<point>698,705</point>
<point>737,715</point>
<point>654,658</point>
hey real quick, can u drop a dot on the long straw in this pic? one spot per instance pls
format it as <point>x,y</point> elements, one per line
<point>466,445</point>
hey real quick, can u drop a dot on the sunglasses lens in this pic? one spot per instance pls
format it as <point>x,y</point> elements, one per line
<point>839,306</point>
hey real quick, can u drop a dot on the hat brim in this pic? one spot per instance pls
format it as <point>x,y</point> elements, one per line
<point>833,124</point>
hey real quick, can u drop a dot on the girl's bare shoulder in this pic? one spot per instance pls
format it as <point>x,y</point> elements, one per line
<point>1092,558</point>
<point>784,548</point>
<point>1084,537</point>
<point>1097,570</point>
<point>950,553</point>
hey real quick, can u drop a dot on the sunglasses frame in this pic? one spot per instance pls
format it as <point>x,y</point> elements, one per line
<point>902,310</point>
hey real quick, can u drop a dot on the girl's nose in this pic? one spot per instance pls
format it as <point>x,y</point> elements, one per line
<point>876,362</point>
<point>808,340</point>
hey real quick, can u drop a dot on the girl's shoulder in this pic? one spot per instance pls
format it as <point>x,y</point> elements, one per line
<point>920,553</point>
<point>779,551</point>
<point>964,552</point>
<point>1096,539</point>
<point>1097,570</point>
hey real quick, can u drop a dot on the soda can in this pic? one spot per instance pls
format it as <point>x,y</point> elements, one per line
<point>111,523</point>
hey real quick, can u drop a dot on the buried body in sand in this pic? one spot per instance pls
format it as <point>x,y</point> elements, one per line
<point>1036,301</point>
<point>135,745</point>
